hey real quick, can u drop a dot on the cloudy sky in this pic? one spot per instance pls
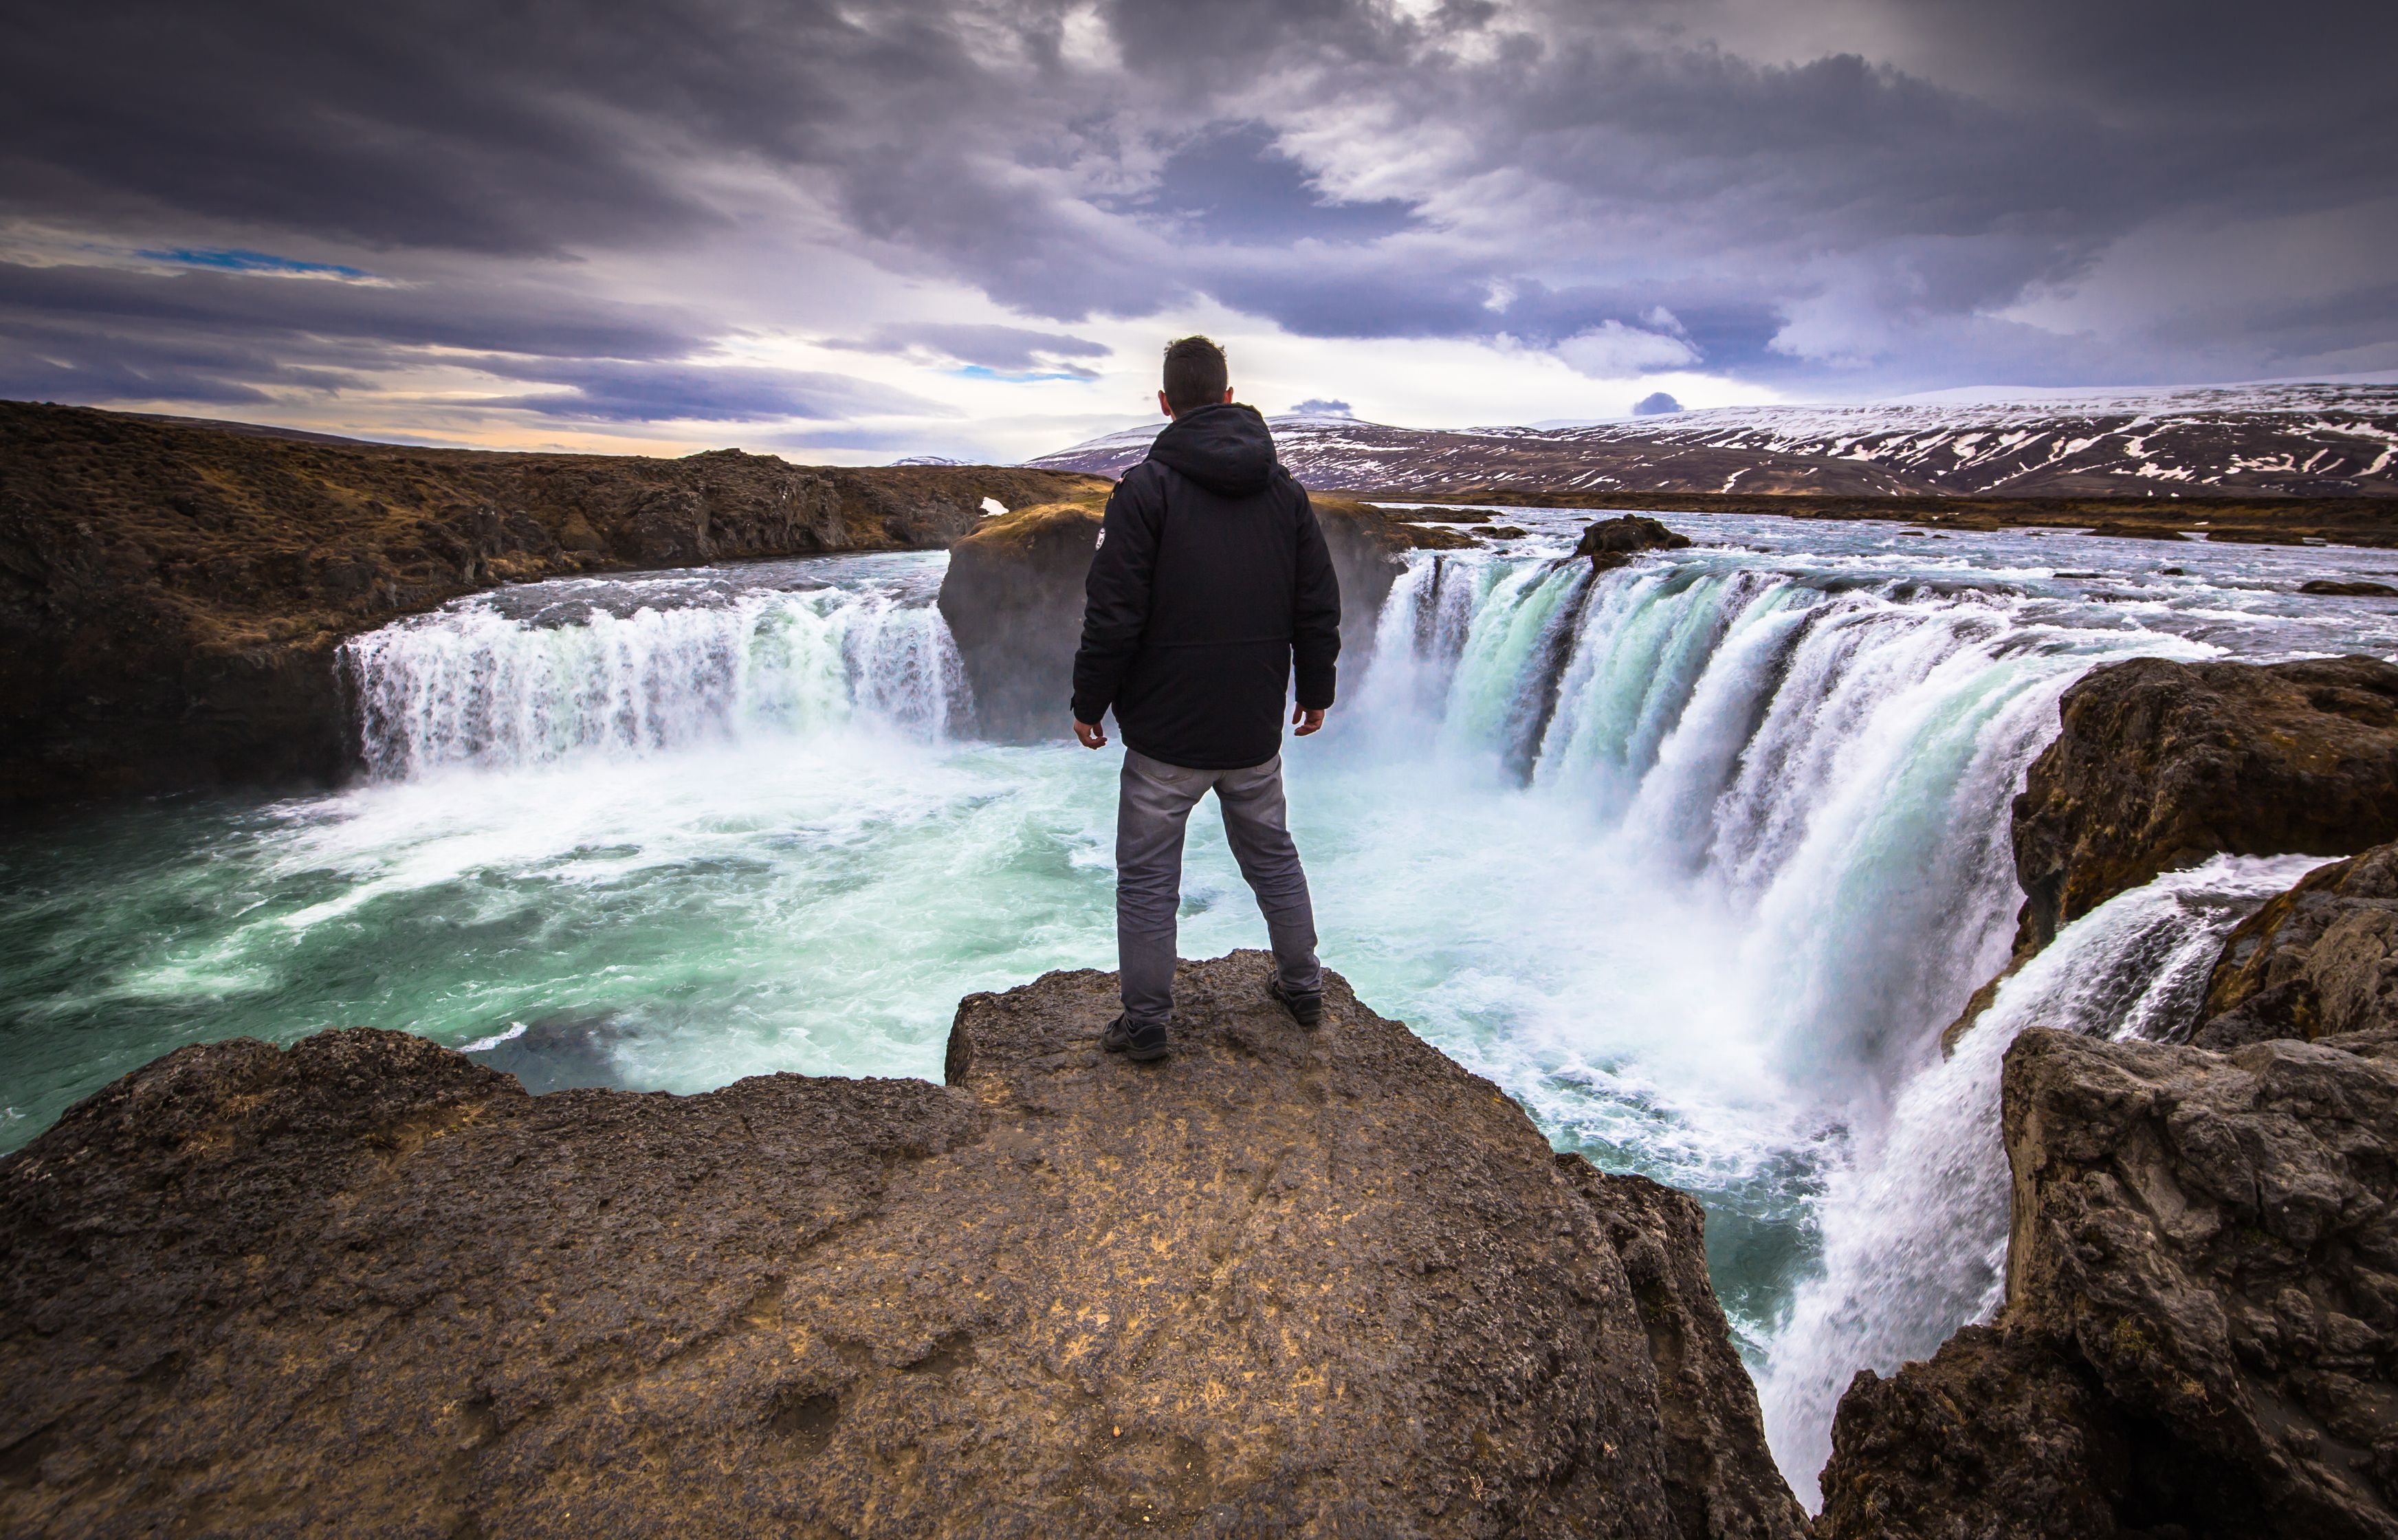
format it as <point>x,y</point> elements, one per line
<point>852,232</point>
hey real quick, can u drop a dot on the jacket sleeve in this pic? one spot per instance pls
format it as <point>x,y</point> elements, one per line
<point>1315,614</point>
<point>1115,595</point>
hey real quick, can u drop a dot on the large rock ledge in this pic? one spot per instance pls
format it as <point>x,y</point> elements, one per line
<point>2162,764</point>
<point>2319,960</point>
<point>171,594</point>
<point>1284,1284</point>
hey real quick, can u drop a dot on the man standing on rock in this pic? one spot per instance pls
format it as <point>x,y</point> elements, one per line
<point>1211,580</point>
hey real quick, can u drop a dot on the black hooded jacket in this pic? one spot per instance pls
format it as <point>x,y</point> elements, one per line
<point>1210,580</point>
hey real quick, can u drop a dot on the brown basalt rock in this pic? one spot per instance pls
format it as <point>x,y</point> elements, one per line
<point>2162,764</point>
<point>172,595</point>
<point>1613,543</point>
<point>2318,961</point>
<point>2202,1316</point>
<point>2214,1236</point>
<point>1720,1478</point>
<point>1997,1435</point>
<point>1013,598</point>
<point>1285,1283</point>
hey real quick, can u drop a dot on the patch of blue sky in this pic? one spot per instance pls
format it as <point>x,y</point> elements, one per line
<point>264,263</point>
<point>983,372</point>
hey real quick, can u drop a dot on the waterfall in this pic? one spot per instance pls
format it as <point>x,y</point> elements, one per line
<point>1780,787</point>
<point>473,684</point>
<point>1830,762</point>
<point>1915,1231</point>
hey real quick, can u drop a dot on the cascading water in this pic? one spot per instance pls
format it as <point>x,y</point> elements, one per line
<point>475,684</point>
<point>1828,763</point>
<point>1694,859</point>
<point>1915,1231</point>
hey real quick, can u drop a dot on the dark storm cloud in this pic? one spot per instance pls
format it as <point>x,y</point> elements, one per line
<point>494,315</point>
<point>620,391</point>
<point>1231,185</point>
<point>82,334</point>
<point>1805,195</point>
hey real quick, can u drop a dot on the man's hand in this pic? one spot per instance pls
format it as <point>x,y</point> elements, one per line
<point>1305,721</point>
<point>1092,735</point>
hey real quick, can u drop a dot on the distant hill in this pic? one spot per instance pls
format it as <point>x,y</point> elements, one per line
<point>2246,441</point>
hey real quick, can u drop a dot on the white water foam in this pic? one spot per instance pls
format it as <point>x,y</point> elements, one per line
<point>471,684</point>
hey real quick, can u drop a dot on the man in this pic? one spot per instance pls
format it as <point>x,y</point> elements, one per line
<point>1209,581</point>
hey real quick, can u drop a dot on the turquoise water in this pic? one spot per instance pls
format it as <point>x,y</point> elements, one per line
<point>1693,859</point>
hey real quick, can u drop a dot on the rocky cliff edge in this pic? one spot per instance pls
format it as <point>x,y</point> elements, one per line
<point>1286,1283</point>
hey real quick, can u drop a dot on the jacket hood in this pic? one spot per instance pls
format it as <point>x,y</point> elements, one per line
<point>1226,449</point>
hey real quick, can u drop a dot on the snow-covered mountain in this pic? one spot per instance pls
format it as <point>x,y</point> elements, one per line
<point>2275,440</point>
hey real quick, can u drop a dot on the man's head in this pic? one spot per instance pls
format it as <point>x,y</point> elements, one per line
<point>1196,376</point>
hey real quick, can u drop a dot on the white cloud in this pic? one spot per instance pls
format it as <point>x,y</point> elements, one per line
<point>1614,351</point>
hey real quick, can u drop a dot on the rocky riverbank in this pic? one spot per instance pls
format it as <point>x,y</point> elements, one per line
<point>2202,1319</point>
<point>171,595</point>
<point>1285,1283</point>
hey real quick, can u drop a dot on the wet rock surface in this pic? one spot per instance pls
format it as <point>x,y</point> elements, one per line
<point>2162,764</point>
<point>2321,960</point>
<point>1613,543</point>
<point>2201,1334</point>
<point>1013,598</point>
<point>172,595</point>
<point>1285,1283</point>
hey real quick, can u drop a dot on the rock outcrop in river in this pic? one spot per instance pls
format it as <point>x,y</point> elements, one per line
<point>2201,1334</point>
<point>1613,543</point>
<point>2162,764</point>
<point>1013,598</point>
<point>171,595</point>
<point>1285,1283</point>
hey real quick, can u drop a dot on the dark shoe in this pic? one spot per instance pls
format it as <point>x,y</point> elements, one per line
<point>1142,1044</point>
<point>1305,1010</point>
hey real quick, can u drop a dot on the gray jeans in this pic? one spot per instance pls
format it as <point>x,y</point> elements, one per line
<point>1153,808</point>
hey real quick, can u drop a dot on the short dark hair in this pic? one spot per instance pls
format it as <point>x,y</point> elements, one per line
<point>1195,373</point>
